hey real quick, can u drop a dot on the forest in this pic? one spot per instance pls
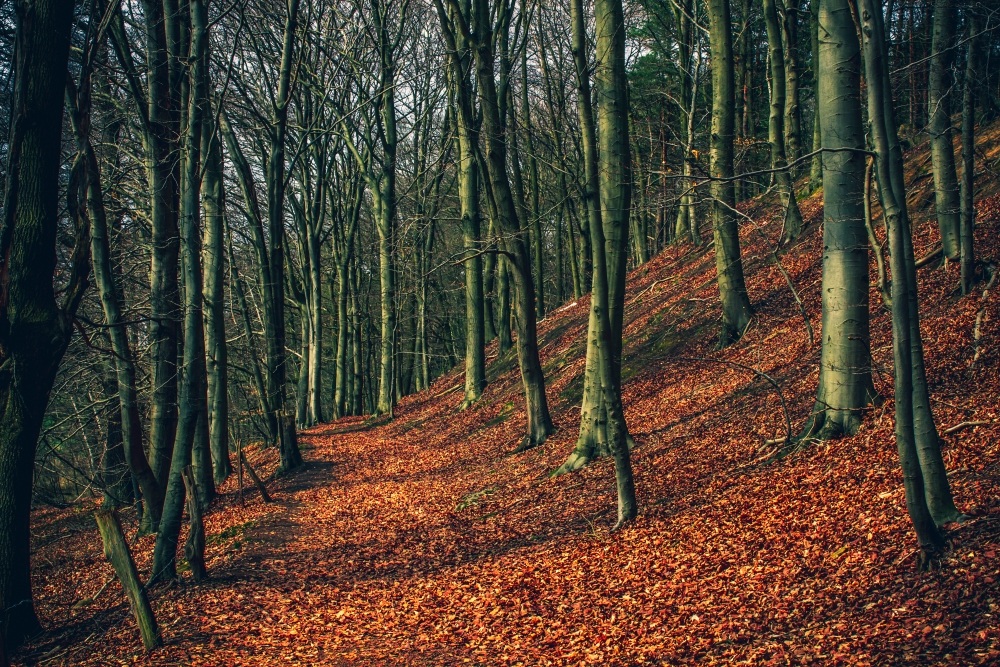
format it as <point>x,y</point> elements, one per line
<point>499,332</point>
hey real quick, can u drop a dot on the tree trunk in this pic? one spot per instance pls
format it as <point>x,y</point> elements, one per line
<point>845,384</point>
<point>946,192</point>
<point>777,119</point>
<point>788,13</point>
<point>539,422</point>
<point>192,435</point>
<point>163,169</point>
<point>117,552</point>
<point>194,547</point>
<point>816,167</point>
<point>736,309</point>
<point>610,239</point>
<point>968,217</point>
<point>882,118</point>
<point>468,195</point>
<point>216,350</point>
<point>276,179</point>
<point>34,332</point>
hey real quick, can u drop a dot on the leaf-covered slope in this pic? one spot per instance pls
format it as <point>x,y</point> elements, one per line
<point>422,542</point>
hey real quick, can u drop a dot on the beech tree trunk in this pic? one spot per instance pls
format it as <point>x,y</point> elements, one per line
<point>778,118</point>
<point>946,191</point>
<point>967,189</point>
<point>921,493</point>
<point>216,349</point>
<point>845,384</point>
<point>736,308</point>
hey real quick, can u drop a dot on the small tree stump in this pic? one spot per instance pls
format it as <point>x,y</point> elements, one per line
<point>116,550</point>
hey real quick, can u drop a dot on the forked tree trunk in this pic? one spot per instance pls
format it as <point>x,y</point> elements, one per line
<point>163,169</point>
<point>467,133</point>
<point>192,431</point>
<point>777,120</point>
<point>612,236</point>
<point>882,117</point>
<point>539,422</point>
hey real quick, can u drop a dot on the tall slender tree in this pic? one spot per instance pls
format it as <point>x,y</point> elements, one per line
<point>939,98</point>
<point>736,308</point>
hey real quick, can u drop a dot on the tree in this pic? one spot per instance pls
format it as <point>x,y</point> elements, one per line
<point>736,308</point>
<point>483,29</point>
<point>946,191</point>
<point>778,117</point>
<point>967,186</point>
<point>609,234</point>
<point>928,495</point>
<point>845,384</point>
<point>467,125</point>
<point>34,328</point>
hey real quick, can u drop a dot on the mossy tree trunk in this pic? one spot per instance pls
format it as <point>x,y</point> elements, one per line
<point>922,491</point>
<point>481,32</point>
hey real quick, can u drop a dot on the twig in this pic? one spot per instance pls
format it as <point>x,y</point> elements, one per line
<point>964,425</point>
<point>771,380</point>
<point>928,258</point>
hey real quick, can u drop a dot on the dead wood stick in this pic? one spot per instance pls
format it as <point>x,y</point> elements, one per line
<point>256,480</point>
<point>964,425</point>
<point>116,550</point>
<point>928,258</point>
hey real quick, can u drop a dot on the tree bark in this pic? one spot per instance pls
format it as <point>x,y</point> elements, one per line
<point>539,422</point>
<point>967,189</point>
<point>216,349</point>
<point>34,331</point>
<point>946,191</point>
<point>736,308</point>
<point>117,552</point>
<point>845,384</point>
<point>883,124</point>
<point>777,119</point>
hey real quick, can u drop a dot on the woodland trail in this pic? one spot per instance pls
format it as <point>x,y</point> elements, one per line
<point>421,541</point>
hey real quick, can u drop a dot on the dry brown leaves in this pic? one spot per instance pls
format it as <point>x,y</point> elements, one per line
<point>422,542</point>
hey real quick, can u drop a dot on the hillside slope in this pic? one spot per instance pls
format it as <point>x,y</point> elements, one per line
<point>422,542</point>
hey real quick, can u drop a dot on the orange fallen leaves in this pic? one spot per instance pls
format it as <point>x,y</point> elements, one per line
<point>421,542</point>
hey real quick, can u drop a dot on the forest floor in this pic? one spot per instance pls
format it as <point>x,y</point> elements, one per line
<point>422,541</point>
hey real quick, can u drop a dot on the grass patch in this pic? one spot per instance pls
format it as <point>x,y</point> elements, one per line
<point>474,498</point>
<point>505,413</point>
<point>230,533</point>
